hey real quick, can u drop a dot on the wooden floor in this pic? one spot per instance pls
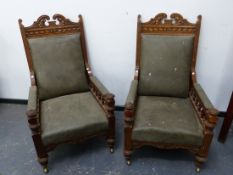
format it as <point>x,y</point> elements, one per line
<point>17,154</point>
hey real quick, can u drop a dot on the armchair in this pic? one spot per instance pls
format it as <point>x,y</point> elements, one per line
<point>166,107</point>
<point>66,103</point>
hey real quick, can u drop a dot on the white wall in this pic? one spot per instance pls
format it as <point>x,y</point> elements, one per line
<point>111,37</point>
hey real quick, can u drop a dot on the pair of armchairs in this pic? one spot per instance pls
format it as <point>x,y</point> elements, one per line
<point>165,108</point>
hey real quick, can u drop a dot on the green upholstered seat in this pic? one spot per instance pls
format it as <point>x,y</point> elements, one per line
<point>165,65</point>
<point>71,117</point>
<point>167,120</point>
<point>58,65</point>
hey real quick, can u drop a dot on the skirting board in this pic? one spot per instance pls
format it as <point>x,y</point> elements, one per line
<point>13,101</point>
<point>117,108</point>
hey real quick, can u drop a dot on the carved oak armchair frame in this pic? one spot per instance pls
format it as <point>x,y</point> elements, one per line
<point>176,25</point>
<point>60,26</point>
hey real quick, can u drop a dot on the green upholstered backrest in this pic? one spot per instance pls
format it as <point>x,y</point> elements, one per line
<point>165,65</point>
<point>58,64</point>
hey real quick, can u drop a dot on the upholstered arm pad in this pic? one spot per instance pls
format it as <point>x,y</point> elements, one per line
<point>32,101</point>
<point>99,85</point>
<point>205,100</point>
<point>130,101</point>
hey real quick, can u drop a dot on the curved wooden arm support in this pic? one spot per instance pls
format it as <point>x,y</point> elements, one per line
<point>107,102</point>
<point>205,114</point>
<point>208,119</point>
<point>34,125</point>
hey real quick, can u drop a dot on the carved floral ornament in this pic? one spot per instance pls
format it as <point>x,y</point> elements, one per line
<point>176,23</point>
<point>43,25</point>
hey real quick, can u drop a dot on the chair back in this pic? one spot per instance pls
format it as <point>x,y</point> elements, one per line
<point>56,55</point>
<point>166,55</point>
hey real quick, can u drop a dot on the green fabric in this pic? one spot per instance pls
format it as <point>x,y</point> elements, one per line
<point>71,117</point>
<point>132,92</point>
<point>32,99</point>
<point>203,96</point>
<point>167,120</point>
<point>99,85</point>
<point>165,65</point>
<point>59,65</point>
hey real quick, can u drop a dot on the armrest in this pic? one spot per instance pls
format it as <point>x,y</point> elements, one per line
<point>131,98</point>
<point>105,98</point>
<point>205,100</point>
<point>130,109</point>
<point>99,85</point>
<point>32,101</point>
<point>130,104</point>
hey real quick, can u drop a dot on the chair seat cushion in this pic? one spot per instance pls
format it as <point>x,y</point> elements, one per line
<point>167,120</point>
<point>71,117</point>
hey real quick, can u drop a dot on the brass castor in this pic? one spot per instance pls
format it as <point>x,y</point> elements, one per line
<point>111,150</point>
<point>198,170</point>
<point>128,162</point>
<point>46,170</point>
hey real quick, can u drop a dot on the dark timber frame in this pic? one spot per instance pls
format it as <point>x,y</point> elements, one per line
<point>176,25</point>
<point>61,26</point>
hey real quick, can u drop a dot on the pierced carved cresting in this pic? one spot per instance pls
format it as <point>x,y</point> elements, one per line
<point>175,19</point>
<point>44,26</point>
<point>176,24</point>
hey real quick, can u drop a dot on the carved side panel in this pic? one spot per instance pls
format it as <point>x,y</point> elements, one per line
<point>198,105</point>
<point>208,120</point>
<point>107,102</point>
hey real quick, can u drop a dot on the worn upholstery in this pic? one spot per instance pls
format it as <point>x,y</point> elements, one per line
<point>99,85</point>
<point>167,120</point>
<point>59,65</point>
<point>32,99</point>
<point>132,92</point>
<point>165,65</point>
<point>71,117</point>
<point>205,100</point>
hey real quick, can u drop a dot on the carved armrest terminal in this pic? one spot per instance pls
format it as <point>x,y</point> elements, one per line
<point>131,102</point>
<point>32,111</point>
<point>103,96</point>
